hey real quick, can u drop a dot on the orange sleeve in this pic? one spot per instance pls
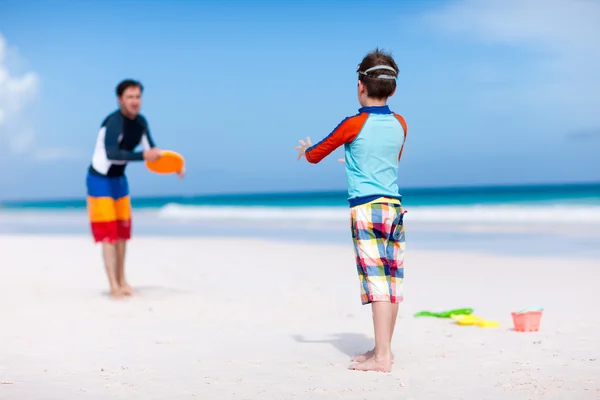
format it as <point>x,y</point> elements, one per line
<point>405,128</point>
<point>345,132</point>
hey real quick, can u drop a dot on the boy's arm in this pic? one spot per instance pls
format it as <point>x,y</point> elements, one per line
<point>345,132</point>
<point>114,129</point>
<point>405,129</point>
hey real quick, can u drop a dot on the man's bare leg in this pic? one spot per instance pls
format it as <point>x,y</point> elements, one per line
<point>371,353</point>
<point>109,253</point>
<point>382,323</point>
<point>125,288</point>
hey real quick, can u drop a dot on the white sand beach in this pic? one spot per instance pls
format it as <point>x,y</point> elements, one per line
<point>256,319</point>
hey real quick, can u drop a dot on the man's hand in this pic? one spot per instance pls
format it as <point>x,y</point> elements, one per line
<point>303,146</point>
<point>152,155</point>
<point>181,173</point>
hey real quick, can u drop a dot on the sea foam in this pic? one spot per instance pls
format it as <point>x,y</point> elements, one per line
<point>469,214</point>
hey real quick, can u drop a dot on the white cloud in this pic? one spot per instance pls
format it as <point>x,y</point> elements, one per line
<point>16,94</point>
<point>561,36</point>
<point>55,154</point>
<point>22,142</point>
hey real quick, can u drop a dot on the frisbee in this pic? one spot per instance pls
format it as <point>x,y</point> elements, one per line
<point>170,162</point>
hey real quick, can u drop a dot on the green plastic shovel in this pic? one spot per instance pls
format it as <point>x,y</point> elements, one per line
<point>445,314</point>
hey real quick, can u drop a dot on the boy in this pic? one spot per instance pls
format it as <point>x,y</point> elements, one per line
<point>373,141</point>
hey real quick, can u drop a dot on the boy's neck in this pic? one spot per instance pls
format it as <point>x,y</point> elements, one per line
<point>375,102</point>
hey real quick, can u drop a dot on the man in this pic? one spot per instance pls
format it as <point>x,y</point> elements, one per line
<point>108,201</point>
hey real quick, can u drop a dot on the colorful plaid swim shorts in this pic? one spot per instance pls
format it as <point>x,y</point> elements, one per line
<point>379,246</point>
<point>109,208</point>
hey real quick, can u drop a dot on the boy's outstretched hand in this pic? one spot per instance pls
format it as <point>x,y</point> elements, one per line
<point>303,146</point>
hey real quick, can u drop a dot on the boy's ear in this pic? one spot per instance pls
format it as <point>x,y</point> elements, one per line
<point>361,87</point>
<point>393,92</point>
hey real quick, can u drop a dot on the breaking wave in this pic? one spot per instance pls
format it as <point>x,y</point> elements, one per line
<point>585,214</point>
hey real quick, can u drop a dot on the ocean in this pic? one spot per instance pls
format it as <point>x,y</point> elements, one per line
<point>544,203</point>
<point>525,219</point>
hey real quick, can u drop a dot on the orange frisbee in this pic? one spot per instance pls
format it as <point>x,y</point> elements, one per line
<point>169,163</point>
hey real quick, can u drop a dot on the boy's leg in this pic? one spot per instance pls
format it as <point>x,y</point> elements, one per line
<point>395,250</point>
<point>395,308</point>
<point>370,230</point>
<point>382,354</point>
<point>371,353</point>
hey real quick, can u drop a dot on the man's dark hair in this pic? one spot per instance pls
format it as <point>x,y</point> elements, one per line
<point>127,83</point>
<point>378,88</point>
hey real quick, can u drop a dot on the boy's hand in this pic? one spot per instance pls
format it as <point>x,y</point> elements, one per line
<point>303,146</point>
<point>341,160</point>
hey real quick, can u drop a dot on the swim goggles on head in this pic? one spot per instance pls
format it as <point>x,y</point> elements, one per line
<point>383,76</point>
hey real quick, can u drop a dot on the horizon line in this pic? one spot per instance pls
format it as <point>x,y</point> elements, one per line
<point>413,190</point>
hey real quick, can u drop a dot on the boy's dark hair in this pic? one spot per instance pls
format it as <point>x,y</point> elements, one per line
<point>380,83</point>
<point>127,83</point>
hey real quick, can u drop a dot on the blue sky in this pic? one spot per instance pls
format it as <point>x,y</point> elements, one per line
<point>493,92</point>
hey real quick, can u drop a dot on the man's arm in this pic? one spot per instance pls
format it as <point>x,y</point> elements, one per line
<point>345,132</point>
<point>114,128</point>
<point>147,141</point>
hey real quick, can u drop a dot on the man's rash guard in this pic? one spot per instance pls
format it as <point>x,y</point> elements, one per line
<point>117,139</point>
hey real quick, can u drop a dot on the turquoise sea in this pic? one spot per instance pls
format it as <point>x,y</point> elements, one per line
<point>504,219</point>
<point>574,194</point>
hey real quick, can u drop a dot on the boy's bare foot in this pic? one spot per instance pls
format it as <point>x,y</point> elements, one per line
<point>126,289</point>
<point>373,364</point>
<point>364,357</point>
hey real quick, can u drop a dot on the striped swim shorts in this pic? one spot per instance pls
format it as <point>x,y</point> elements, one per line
<point>109,208</point>
<point>379,246</point>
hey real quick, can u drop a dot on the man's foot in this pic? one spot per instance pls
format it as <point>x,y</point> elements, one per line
<point>116,293</point>
<point>127,290</point>
<point>364,357</point>
<point>373,364</point>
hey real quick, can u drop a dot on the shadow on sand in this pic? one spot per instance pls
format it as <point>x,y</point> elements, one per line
<point>350,344</point>
<point>152,291</point>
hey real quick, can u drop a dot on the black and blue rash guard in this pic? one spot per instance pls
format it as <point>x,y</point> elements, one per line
<point>117,139</point>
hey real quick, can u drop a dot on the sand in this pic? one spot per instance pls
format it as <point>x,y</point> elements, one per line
<point>248,319</point>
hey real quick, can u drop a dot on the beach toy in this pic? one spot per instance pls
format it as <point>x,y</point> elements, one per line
<point>445,314</point>
<point>528,319</point>
<point>473,320</point>
<point>170,162</point>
